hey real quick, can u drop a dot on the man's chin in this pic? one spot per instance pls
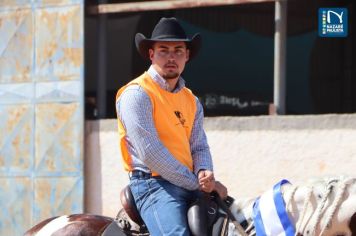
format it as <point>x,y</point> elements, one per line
<point>171,76</point>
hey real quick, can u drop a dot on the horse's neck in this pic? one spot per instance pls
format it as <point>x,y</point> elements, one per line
<point>312,207</point>
<point>300,203</point>
<point>294,197</point>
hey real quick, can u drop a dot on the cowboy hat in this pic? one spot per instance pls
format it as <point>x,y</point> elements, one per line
<point>167,30</point>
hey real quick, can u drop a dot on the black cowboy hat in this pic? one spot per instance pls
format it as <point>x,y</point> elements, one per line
<point>167,30</point>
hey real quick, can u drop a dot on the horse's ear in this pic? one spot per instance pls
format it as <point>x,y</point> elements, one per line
<point>352,224</point>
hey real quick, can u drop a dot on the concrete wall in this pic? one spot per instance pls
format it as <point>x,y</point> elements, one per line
<point>250,154</point>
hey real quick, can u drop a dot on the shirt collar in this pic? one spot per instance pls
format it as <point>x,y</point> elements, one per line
<point>162,82</point>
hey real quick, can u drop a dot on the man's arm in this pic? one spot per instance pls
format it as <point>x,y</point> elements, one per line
<point>203,165</point>
<point>199,144</point>
<point>135,112</point>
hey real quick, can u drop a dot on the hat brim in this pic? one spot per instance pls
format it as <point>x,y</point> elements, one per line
<point>143,44</point>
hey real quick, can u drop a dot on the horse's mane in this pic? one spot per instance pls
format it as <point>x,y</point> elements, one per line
<point>329,193</point>
<point>312,205</point>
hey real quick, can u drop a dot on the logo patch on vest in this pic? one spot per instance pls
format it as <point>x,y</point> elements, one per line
<point>179,115</point>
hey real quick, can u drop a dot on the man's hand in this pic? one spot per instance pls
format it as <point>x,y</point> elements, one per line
<point>220,189</point>
<point>206,180</point>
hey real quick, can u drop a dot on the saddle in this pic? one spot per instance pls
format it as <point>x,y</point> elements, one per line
<point>129,205</point>
<point>204,217</point>
<point>121,226</point>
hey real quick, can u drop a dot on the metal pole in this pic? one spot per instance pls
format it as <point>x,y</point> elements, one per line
<point>279,96</point>
<point>102,69</point>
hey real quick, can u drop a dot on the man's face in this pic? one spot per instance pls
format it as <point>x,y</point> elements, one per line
<point>169,58</point>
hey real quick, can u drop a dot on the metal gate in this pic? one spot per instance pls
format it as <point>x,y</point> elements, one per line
<point>41,111</point>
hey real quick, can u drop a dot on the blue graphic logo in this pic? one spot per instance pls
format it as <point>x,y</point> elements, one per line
<point>332,22</point>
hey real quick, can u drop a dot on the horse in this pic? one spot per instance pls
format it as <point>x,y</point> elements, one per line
<point>318,207</point>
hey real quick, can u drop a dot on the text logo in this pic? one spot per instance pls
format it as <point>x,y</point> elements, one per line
<point>332,22</point>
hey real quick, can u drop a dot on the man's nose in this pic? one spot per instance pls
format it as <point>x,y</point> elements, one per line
<point>171,55</point>
<point>171,59</point>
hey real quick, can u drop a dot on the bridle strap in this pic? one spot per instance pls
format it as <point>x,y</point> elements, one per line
<point>223,206</point>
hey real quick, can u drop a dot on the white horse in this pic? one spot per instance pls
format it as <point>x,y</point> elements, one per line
<point>320,207</point>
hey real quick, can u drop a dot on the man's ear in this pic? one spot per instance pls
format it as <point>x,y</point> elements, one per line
<point>150,53</point>
<point>188,54</point>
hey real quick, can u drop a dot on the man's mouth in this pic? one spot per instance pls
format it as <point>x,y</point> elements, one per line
<point>171,66</point>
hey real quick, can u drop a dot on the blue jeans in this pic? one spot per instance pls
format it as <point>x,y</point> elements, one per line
<point>162,205</point>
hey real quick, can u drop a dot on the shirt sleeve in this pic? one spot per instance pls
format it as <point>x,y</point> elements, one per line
<point>199,144</point>
<point>134,109</point>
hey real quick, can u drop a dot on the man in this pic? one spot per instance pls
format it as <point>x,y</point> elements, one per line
<point>162,141</point>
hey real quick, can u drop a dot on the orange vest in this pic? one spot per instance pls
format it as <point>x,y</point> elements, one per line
<point>173,115</point>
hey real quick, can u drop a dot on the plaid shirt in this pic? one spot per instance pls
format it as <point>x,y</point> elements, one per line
<point>134,109</point>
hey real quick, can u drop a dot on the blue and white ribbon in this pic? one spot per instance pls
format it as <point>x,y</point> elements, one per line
<point>270,215</point>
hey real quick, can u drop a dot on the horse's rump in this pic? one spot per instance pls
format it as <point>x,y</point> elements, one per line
<point>76,224</point>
